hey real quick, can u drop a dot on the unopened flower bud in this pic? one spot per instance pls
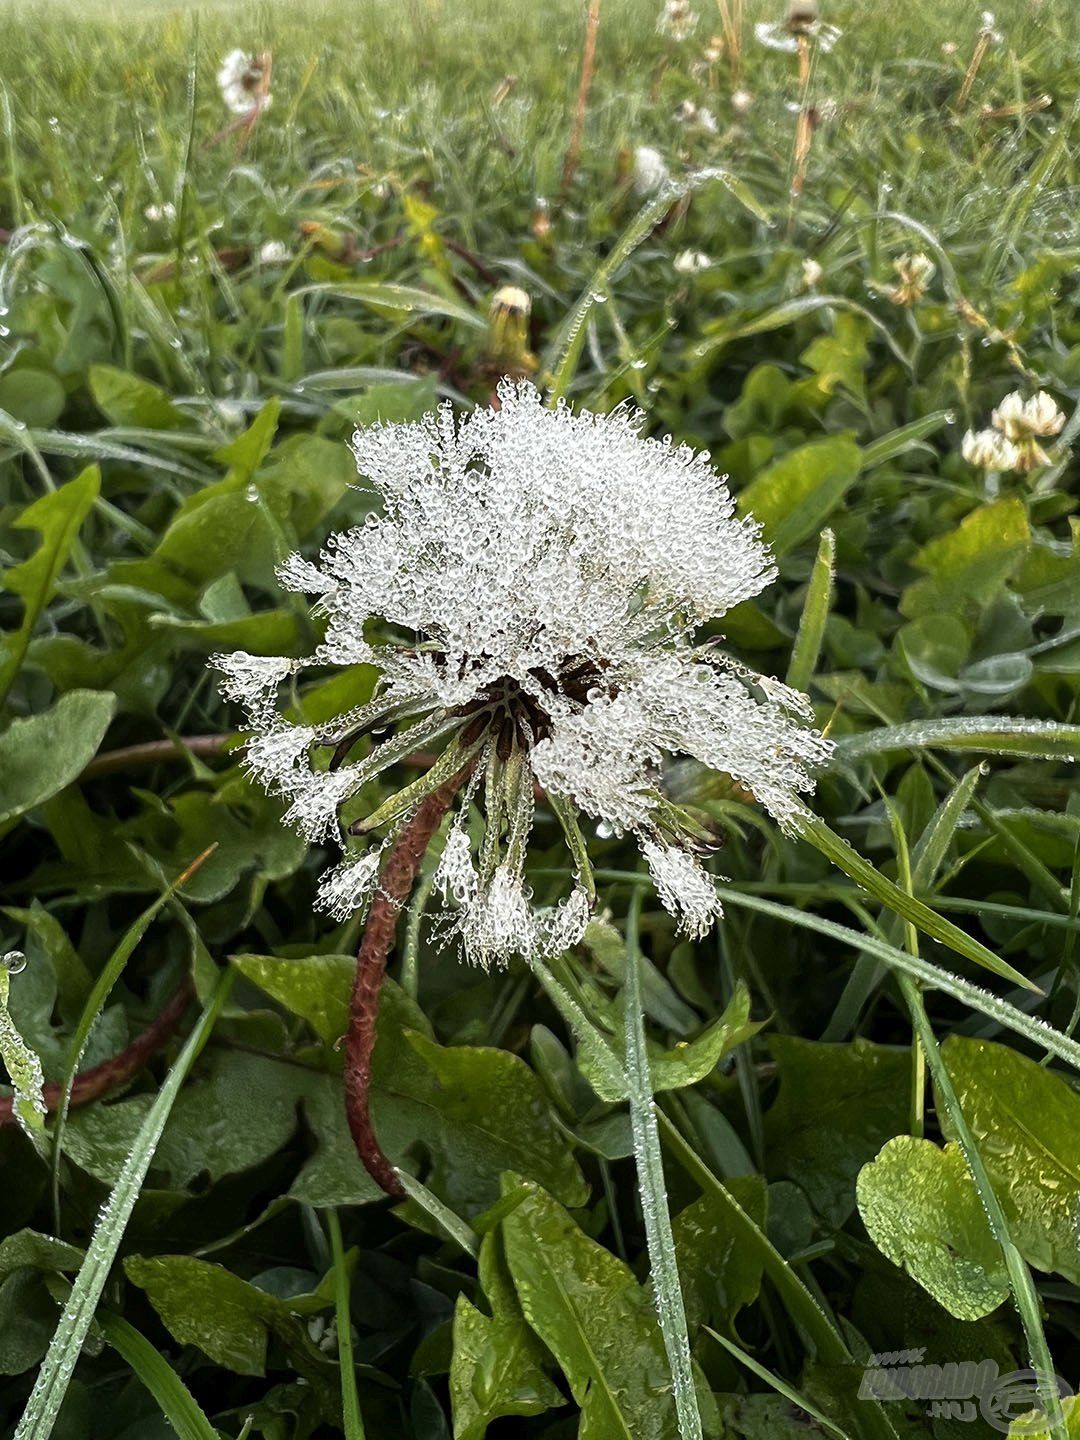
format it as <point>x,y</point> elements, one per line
<point>508,329</point>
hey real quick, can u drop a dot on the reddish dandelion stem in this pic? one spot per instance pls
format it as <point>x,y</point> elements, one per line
<point>395,883</point>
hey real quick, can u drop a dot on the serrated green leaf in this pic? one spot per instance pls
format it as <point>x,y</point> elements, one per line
<point>921,1208</point>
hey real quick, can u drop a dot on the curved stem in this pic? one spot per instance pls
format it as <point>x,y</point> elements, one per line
<point>395,883</point>
<point>115,1072</point>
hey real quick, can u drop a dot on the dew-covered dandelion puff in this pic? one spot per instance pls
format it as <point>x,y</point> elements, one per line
<point>530,596</point>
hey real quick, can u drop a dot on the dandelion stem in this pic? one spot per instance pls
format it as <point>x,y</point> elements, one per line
<point>395,883</point>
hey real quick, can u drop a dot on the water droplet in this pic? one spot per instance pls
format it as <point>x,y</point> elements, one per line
<point>14,962</point>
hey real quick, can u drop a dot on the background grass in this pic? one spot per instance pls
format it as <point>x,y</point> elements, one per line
<point>421,145</point>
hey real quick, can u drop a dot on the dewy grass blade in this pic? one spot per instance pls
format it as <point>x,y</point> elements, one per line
<point>653,1192</point>
<point>95,1003</point>
<point>990,734</point>
<point>807,647</point>
<point>350,1401</point>
<point>178,1405</point>
<point>774,1382</point>
<point>1023,1287</point>
<point>59,1364</point>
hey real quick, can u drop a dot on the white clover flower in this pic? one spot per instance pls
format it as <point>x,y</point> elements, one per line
<point>677,19</point>
<point>651,171</point>
<point>1019,419</point>
<point>989,450</point>
<point>242,80</point>
<point>1022,422</point>
<point>529,595</point>
<point>689,262</point>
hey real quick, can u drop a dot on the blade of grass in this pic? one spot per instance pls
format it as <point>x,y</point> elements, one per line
<point>870,879</point>
<point>350,1401</point>
<point>78,1313</point>
<point>775,1383</point>
<point>807,647</point>
<point>95,1002</point>
<point>178,1405</point>
<point>653,1191</point>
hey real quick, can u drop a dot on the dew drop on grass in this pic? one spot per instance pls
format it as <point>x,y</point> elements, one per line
<point>14,962</point>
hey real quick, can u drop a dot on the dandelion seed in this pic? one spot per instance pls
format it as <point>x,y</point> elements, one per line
<point>650,172</point>
<point>549,570</point>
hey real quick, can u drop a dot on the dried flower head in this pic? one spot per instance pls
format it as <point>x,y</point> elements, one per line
<point>650,172</point>
<point>677,19</point>
<point>529,596</point>
<point>913,274</point>
<point>243,80</point>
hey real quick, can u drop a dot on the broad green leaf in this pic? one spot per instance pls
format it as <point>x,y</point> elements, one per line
<point>691,1060</point>
<point>720,1273</point>
<point>795,496</point>
<point>57,516</point>
<point>968,566</point>
<point>206,1305</point>
<point>920,1205</point>
<point>595,1318</point>
<point>34,397</point>
<point>492,1115</point>
<point>1026,1122</point>
<point>41,754</point>
<point>128,399</point>
<point>316,987</point>
<point>499,1365</point>
<point>837,1106</point>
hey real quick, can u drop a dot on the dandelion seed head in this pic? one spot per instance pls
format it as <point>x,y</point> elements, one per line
<point>528,585</point>
<point>241,79</point>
